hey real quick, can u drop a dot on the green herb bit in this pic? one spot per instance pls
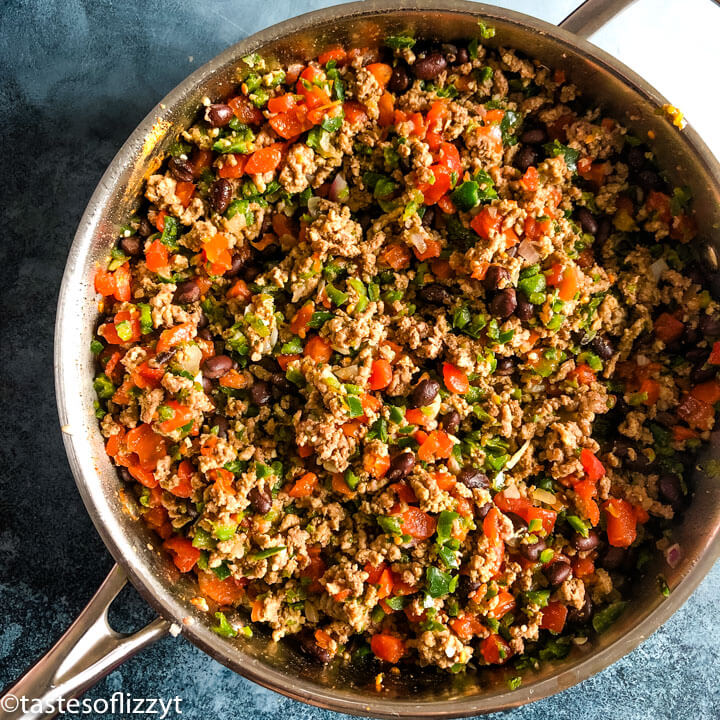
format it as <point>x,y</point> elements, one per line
<point>399,42</point>
<point>224,628</point>
<point>267,552</point>
<point>603,619</point>
<point>104,387</point>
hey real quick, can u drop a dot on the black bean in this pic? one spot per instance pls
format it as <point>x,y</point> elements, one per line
<point>466,587</point>
<point>450,421</point>
<point>181,169</point>
<point>534,136</point>
<point>462,56</point>
<point>280,382</point>
<point>428,68</point>
<point>217,366</point>
<point>525,309</point>
<point>702,374</point>
<point>126,476</point>
<point>434,293</point>
<point>666,419</point>
<point>585,543</point>
<point>587,220</point>
<point>310,647</point>
<point>130,245</point>
<point>163,358</point>
<point>221,423</point>
<point>649,180</point>
<point>505,366</point>
<point>220,195</point>
<point>399,80</point>
<point>472,478</point>
<point>261,500</point>
<point>424,393</point>
<point>260,392</point>
<point>533,550</point>
<point>603,232</point>
<point>614,558</point>
<point>525,158</point>
<point>401,466</point>
<point>639,463</point>
<point>693,272</point>
<point>239,260</point>
<point>207,384</point>
<point>519,525</point>
<point>218,114</point>
<point>482,511</point>
<point>558,573</point>
<point>187,292</point>
<point>504,303</point>
<point>602,347</point>
<point>636,158</point>
<point>428,217</point>
<point>145,229</point>
<point>581,616</point>
<point>670,489</point>
<point>710,325</point>
<point>495,276</point>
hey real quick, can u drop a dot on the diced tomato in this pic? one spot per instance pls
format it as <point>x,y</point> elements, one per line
<point>554,615</point>
<point>245,111</point>
<point>182,415</point>
<point>239,291</point>
<point>486,221</point>
<point>387,647</point>
<point>668,328</point>
<point>284,360</point>
<point>696,413</point>
<point>466,626</point>
<point>146,444</point>
<point>448,156</point>
<point>651,389</point>
<point>183,487</point>
<point>386,104</point>
<point>396,256</point>
<point>319,349</point>
<point>506,603</point>
<point>437,115</point>
<point>175,336</point>
<point>184,192</point>
<point>660,203</point>
<point>381,72</point>
<point>304,485</point>
<point>582,567</point>
<point>224,592</point>
<point>529,180</point>
<point>444,480</point>
<point>437,445</point>
<point>593,468</point>
<point>289,125</point>
<point>156,256</point>
<point>381,374</point>
<point>621,522</point>
<point>375,464</point>
<point>123,278</point>
<point>233,379</point>
<point>708,392</point>
<point>418,524</point>
<point>265,159</point>
<point>354,112</point>
<point>183,553</point>
<point>144,477</point>
<point>432,192</point>
<point>104,282</point>
<point>535,229</point>
<point>456,381</point>
<point>432,250</point>
<point>584,374</point>
<point>160,220</point>
<point>233,165</point>
<point>494,650</point>
<point>585,492</point>
<point>714,358</point>
<point>339,55</point>
<point>282,103</point>
<point>300,323</point>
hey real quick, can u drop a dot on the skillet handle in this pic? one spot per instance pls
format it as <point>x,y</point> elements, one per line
<point>87,651</point>
<point>592,15</point>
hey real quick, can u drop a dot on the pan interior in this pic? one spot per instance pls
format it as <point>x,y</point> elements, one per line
<point>351,688</point>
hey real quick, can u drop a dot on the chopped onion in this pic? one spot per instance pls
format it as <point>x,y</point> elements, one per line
<point>673,555</point>
<point>529,251</point>
<point>338,188</point>
<point>189,359</point>
<point>314,205</point>
<point>347,373</point>
<point>544,496</point>
<point>513,461</point>
<point>658,268</point>
<point>417,240</point>
<point>511,492</point>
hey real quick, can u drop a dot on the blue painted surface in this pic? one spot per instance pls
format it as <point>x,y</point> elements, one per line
<point>77,77</point>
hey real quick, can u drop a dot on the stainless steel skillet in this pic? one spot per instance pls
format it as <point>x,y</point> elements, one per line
<point>90,649</point>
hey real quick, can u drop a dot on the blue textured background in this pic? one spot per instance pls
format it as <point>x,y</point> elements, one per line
<point>77,77</point>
